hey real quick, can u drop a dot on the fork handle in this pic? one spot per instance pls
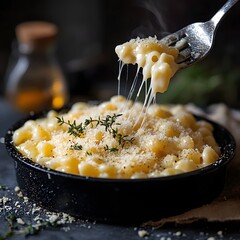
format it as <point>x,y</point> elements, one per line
<point>219,15</point>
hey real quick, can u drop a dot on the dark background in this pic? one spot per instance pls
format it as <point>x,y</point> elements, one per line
<point>89,30</point>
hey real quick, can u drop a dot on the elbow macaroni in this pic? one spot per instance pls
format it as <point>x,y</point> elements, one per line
<point>167,141</point>
<point>156,60</point>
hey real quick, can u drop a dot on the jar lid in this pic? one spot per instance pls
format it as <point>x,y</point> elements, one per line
<point>36,33</point>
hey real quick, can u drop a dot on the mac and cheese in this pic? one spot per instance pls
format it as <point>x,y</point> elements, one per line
<point>110,140</point>
<point>156,60</point>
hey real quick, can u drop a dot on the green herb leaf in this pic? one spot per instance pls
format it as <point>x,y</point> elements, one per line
<point>74,129</point>
<point>106,148</point>
<point>76,146</point>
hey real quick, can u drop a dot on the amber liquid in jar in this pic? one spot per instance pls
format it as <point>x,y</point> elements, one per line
<point>37,90</point>
<point>36,82</point>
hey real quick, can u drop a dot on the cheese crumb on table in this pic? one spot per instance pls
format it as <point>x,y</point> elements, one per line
<point>143,233</point>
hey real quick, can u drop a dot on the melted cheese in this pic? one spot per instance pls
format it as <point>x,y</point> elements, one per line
<point>170,141</point>
<point>156,60</point>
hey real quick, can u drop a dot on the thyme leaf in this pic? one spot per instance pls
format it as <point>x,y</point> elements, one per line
<point>88,153</point>
<point>90,122</point>
<point>76,146</point>
<point>113,149</point>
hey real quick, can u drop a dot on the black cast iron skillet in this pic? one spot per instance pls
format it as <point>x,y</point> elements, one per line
<point>121,200</point>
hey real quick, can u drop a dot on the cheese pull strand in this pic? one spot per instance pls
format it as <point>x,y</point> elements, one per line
<point>156,60</point>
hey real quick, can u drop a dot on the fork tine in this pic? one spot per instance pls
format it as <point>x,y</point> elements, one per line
<point>184,56</point>
<point>181,44</point>
<point>179,41</point>
<point>170,40</point>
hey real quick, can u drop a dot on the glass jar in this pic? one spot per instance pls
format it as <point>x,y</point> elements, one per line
<point>35,82</point>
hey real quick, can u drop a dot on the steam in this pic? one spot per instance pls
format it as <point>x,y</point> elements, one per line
<point>154,7</point>
<point>154,24</point>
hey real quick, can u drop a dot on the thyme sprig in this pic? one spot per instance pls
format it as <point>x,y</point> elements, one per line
<point>110,124</point>
<point>73,129</point>
<point>26,229</point>
<point>109,121</point>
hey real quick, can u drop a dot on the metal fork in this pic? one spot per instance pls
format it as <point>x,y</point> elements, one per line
<point>195,40</point>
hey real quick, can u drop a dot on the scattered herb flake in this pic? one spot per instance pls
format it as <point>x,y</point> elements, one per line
<point>76,146</point>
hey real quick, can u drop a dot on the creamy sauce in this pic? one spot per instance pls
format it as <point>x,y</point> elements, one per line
<point>156,60</point>
<point>171,140</point>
